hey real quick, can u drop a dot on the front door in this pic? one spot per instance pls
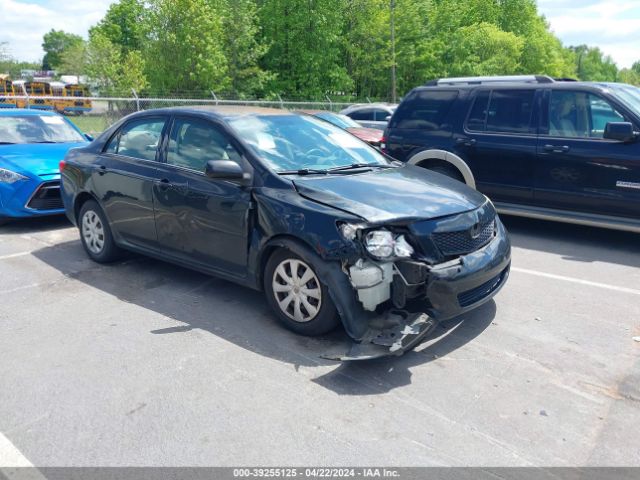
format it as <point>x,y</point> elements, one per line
<point>123,178</point>
<point>499,143</point>
<point>577,169</point>
<point>199,219</point>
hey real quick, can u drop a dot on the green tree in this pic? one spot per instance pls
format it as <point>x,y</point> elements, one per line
<point>243,48</point>
<point>185,49</point>
<point>593,65</point>
<point>103,63</point>
<point>124,25</point>
<point>305,46</point>
<point>73,60</point>
<point>54,43</point>
<point>484,49</point>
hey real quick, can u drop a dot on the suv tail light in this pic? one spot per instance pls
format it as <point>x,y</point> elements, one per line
<point>383,143</point>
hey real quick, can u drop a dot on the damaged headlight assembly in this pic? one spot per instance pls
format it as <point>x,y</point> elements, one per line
<point>372,277</point>
<point>381,244</point>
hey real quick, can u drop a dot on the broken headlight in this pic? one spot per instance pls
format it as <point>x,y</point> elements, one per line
<point>384,245</point>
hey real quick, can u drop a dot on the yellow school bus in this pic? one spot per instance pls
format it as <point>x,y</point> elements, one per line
<point>34,90</point>
<point>6,90</point>
<point>74,98</point>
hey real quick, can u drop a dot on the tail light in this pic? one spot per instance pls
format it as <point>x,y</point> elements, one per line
<point>62,165</point>
<point>383,144</point>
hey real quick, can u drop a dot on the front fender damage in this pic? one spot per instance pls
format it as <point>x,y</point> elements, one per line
<point>374,334</point>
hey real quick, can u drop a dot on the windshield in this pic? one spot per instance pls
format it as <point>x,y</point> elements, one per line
<point>341,121</point>
<point>629,95</point>
<point>297,142</point>
<point>37,129</point>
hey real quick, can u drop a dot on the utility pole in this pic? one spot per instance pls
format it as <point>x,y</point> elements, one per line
<point>393,51</point>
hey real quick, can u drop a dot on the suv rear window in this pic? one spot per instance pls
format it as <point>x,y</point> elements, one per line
<point>508,111</point>
<point>424,110</point>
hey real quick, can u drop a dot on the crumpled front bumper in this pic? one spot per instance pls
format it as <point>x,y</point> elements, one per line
<point>451,289</point>
<point>406,331</point>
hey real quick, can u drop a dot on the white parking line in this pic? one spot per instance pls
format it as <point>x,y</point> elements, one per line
<point>576,280</point>
<point>14,255</point>
<point>14,465</point>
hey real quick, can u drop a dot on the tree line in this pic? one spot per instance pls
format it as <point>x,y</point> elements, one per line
<point>313,48</point>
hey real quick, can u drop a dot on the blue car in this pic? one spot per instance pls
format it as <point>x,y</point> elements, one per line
<point>32,144</point>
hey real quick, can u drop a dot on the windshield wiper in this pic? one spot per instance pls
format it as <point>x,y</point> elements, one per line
<point>304,171</point>
<point>45,141</point>
<point>354,166</point>
<point>7,143</point>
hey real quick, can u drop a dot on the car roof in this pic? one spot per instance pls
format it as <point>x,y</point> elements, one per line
<point>220,111</point>
<point>562,84</point>
<point>15,112</point>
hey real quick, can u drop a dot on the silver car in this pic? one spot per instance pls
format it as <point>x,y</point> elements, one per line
<point>371,115</point>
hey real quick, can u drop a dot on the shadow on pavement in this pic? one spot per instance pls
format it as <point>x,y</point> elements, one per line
<point>574,242</point>
<point>241,316</point>
<point>35,224</point>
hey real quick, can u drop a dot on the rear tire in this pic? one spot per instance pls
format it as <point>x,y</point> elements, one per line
<point>300,301</point>
<point>447,171</point>
<point>95,234</point>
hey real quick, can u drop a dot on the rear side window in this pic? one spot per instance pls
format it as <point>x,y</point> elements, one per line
<point>137,139</point>
<point>478,114</point>
<point>424,110</point>
<point>502,111</point>
<point>364,114</point>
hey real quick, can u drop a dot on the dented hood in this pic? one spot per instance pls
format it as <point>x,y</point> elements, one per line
<point>406,192</point>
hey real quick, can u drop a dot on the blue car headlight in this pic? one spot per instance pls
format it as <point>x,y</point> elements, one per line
<point>7,176</point>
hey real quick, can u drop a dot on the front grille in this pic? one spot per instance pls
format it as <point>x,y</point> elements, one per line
<point>462,242</point>
<point>474,295</point>
<point>47,197</point>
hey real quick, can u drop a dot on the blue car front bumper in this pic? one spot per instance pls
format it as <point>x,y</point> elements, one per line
<point>34,197</point>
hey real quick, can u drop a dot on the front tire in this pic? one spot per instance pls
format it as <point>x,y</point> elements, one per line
<point>95,234</point>
<point>300,301</point>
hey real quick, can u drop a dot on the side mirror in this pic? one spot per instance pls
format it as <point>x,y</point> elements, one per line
<point>620,131</point>
<point>387,118</point>
<point>88,137</point>
<point>224,170</point>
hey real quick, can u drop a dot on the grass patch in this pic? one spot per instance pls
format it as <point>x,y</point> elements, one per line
<point>91,124</point>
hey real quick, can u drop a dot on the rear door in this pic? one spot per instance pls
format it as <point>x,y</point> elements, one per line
<point>577,169</point>
<point>200,219</point>
<point>499,141</point>
<point>124,175</point>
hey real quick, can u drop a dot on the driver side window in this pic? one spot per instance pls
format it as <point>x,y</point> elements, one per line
<point>580,115</point>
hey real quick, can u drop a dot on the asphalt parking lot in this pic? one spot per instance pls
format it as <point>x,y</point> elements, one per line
<point>144,363</point>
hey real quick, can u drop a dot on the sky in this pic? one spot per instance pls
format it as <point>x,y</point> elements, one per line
<point>612,25</point>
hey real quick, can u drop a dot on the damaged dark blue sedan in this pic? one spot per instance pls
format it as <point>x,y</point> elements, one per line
<point>331,229</point>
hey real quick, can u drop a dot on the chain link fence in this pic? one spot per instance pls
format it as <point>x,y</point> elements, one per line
<point>94,114</point>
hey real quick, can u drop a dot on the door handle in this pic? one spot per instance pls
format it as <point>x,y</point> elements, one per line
<point>467,142</point>
<point>557,148</point>
<point>164,184</point>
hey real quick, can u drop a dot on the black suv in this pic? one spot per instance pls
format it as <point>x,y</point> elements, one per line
<point>542,148</point>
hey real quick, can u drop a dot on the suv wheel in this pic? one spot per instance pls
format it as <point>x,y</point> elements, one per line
<point>95,234</point>
<point>447,171</point>
<point>295,293</point>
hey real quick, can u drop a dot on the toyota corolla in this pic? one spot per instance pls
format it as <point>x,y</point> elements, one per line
<point>327,226</point>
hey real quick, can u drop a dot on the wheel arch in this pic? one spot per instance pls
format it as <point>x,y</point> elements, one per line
<point>80,200</point>
<point>421,159</point>
<point>283,241</point>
